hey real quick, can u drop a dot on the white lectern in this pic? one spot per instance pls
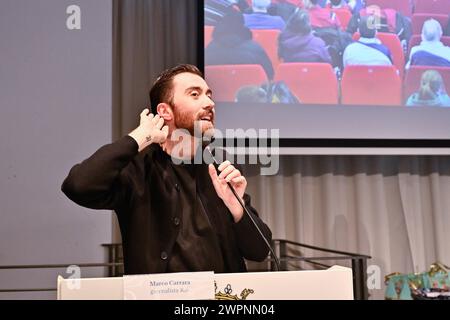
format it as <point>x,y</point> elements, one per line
<point>334,283</point>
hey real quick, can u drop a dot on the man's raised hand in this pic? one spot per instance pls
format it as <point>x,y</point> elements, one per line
<point>151,130</point>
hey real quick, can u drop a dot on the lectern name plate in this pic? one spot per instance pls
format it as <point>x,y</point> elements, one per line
<point>169,286</point>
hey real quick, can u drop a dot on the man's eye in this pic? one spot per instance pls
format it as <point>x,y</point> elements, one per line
<point>194,94</point>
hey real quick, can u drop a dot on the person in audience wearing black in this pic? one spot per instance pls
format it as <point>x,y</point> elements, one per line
<point>282,8</point>
<point>175,215</point>
<point>232,43</point>
<point>216,9</point>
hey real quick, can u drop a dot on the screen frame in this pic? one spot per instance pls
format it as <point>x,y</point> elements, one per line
<point>307,145</point>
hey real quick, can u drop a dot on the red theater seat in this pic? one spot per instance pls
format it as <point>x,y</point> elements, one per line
<point>268,39</point>
<point>432,6</point>
<point>344,16</point>
<point>313,83</point>
<point>419,18</point>
<point>391,41</point>
<point>413,75</point>
<point>225,80</point>
<point>371,85</point>
<point>402,6</point>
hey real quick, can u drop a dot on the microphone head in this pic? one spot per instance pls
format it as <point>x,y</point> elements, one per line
<point>208,138</point>
<point>210,155</point>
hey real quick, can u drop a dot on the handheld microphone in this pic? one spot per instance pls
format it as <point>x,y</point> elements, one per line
<point>216,165</point>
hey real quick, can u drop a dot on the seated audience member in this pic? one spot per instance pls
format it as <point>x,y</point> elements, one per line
<point>297,43</point>
<point>216,9</point>
<point>368,50</point>
<point>260,19</point>
<point>431,51</point>
<point>282,8</point>
<point>336,40</point>
<point>241,5</point>
<point>232,44</point>
<point>269,92</point>
<point>388,20</point>
<point>338,4</point>
<point>431,92</point>
<point>250,94</point>
<point>321,17</point>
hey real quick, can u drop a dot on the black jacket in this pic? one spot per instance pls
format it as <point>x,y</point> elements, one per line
<point>142,190</point>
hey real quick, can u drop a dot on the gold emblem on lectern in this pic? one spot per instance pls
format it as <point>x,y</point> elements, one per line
<point>227,294</point>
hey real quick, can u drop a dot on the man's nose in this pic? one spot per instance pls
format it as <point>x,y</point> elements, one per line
<point>209,103</point>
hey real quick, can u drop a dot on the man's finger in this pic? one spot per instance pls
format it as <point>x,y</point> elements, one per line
<point>238,180</point>
<point>156,119</point>
<point>232,175</point>
<point>144,112</point>
<point>214,178</point>
<point>160,123</point>
<point>165,130</point>
<point>212,171</point>
<point>224,164</point>
<point>225,172</point>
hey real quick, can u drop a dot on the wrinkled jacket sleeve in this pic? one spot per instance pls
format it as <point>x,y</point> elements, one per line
<point>250,242</point>
<point>99,182</point>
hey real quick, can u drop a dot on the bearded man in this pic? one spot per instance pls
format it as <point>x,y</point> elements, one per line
<point>174,215</point>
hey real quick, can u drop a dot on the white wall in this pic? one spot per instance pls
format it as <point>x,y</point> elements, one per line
<point>55,110</point>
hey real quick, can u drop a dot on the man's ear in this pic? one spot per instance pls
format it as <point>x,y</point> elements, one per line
<point>165,111</point>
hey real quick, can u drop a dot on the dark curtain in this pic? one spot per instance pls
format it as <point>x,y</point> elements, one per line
<point>148,37</point>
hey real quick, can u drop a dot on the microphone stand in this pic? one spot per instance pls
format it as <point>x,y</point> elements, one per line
<point>216,165</point>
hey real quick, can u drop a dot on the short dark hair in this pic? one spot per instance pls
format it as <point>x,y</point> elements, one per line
<point>161,90</point>
<point>299,22</point>
<point>367,27</point>
<point>251,93</point>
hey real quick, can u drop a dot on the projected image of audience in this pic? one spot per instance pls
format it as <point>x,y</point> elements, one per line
<point>431,91</point>
<point>329,52</point>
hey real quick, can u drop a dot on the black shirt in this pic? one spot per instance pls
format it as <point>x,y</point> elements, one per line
<point>197,245</point>
<point>154,205</point>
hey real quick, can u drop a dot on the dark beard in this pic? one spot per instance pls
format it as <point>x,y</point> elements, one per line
<point>183,121</point>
